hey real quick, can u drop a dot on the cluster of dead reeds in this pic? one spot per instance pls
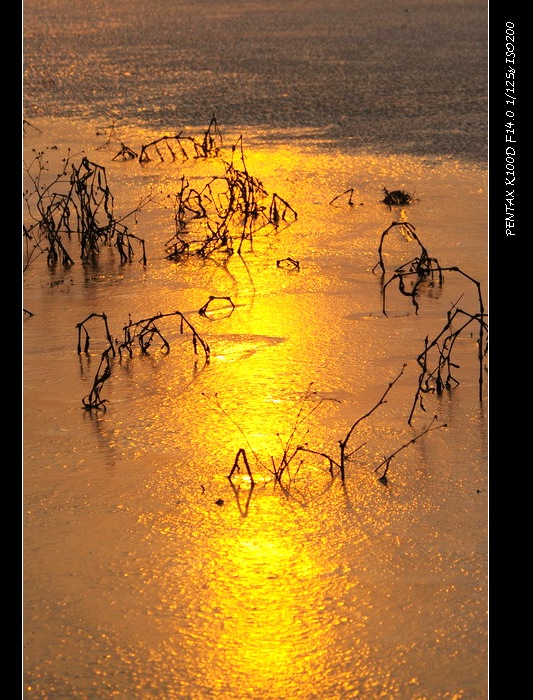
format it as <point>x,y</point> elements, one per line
<point>220,217</point>
<point>75,203</point>
<point>225,213</point>
<point>435,360</point>
<point>285,468</point>
<point>74,209</point>
<point>141,334</point>
<point>231,209</point>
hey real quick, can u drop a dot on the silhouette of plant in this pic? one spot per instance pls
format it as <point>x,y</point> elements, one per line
<point>82,208</point>
<point>165,146</point>
<point>143,333</point>
<point>226,212</point>
<point>436,359</point>
<point>396,198</point>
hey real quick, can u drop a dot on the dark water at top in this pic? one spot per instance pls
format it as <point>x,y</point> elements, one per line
<point>398,77</point>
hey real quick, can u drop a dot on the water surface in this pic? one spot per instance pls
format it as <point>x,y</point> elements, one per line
<point>147,572</point>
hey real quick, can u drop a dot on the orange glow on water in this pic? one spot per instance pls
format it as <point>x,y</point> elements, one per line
<point>153,575</point>
<point>264,600</point>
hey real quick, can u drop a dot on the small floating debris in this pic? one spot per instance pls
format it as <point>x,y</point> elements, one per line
<point>125,153</point>
<point>396,198</point>
<point>210,310</point>
<point>288,264</point>
<point>349,192</point>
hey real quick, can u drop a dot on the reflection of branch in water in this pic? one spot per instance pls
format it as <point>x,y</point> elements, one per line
<point>243,510</point>
<point>291,493</point>
<point>223,264</point>
<point>249,277</point>
<point>106,440</point>
<point>439,376</point>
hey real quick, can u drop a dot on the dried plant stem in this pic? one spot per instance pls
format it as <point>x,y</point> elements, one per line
<point>440,377</point>
<point>145,331</point>
<point>387,460</point>
<point>83,208</point>
<point>350,198</point>
<point>344,455</point>
<point>93,400</point>
<point>82,329</point>
<point>241,455</point>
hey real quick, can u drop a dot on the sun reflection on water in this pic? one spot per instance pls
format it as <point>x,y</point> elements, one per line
<point>263,605</point>
<point>230,590</point>
<point>267,595</point>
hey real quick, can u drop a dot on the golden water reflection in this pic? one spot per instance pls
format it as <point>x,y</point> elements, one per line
<point>264,605</point>
<point>218,590</point>
<point>270,605</point>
